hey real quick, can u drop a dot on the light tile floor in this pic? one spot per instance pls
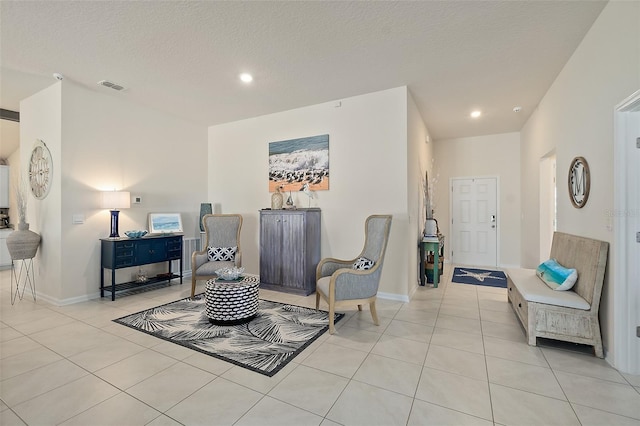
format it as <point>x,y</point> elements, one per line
<point>454,355</point>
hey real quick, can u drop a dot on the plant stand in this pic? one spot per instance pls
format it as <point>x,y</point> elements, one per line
<point>24,276</point>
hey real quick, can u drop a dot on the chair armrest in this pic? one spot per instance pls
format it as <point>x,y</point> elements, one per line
<point>329,265</point>
<point>238,259</point>
<point>198,258</point>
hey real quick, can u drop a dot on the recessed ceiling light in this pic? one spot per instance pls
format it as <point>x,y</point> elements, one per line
<point>246,77</point>
<point>517,109</point>
<point>475,114</point>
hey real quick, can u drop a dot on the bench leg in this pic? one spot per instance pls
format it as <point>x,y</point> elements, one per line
<point>598,349</point>
<point>597,345</point>
<point>531,324</point>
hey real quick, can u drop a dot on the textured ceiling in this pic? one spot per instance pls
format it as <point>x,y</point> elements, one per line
<point>184,57</point>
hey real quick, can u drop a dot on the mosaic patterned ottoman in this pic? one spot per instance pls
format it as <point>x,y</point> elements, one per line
<point>232,302</point>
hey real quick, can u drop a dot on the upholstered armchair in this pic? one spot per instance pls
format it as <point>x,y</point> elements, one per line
<point>222,249</point>
<point>355,281</point>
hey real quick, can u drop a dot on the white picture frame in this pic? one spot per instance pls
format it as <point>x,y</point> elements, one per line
<point>165,223</point>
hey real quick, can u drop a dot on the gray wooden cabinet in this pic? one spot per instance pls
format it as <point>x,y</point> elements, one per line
<point>289,250</point>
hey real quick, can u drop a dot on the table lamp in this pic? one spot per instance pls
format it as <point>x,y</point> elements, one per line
<point>115,200</point>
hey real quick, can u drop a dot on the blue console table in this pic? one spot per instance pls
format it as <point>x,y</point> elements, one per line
<point>118,253</point>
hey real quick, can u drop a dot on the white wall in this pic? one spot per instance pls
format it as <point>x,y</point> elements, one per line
<point>575,118</point>
<point>368,175</point>
<point>100,142</point>
<point>419,161</point>
<point>491,155</point>
<point>41,118</point>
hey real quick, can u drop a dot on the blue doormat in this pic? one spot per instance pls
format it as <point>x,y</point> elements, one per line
<point>479,277</point>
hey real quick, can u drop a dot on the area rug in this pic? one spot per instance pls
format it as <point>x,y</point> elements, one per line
<point>265,345</point>
<point>479,277</point>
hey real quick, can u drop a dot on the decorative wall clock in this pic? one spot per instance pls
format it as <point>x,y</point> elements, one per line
<point>40,170</point>
<point>579,182</point>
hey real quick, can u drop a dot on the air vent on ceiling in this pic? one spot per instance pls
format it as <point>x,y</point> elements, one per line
<point>111,85</point>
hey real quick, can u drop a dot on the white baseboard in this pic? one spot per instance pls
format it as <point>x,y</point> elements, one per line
<point>91,296</point>
<point>64,302</point>
<point>393,296</point>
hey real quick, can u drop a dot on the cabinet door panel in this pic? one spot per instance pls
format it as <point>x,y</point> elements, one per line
<point>270,248</point>
<point>293,251</point>
<point>151,251</point>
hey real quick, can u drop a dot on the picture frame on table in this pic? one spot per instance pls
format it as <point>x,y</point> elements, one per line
<point>165,223</point>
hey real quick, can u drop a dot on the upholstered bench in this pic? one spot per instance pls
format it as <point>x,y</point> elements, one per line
<point>570,315</point>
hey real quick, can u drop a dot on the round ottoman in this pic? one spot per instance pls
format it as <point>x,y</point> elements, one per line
<point>232,302</point>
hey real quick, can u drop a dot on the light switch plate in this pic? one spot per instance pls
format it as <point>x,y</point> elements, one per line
<point>137,199</point>
<point>77,219</point>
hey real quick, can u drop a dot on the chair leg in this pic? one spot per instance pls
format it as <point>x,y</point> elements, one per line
<point>317,300</point>
<point>193,286</point>
<point>332,315</point>
<point>360,307</point>
<point>374,314</point>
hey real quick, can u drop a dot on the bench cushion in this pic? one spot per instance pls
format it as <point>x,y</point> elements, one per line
<point>533,289</point>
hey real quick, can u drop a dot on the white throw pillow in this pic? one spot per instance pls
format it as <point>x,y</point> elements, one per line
<point>362,263</point>
<point>221,253</point>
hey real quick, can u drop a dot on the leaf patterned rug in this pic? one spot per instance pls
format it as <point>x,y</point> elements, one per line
<point>265,345</point>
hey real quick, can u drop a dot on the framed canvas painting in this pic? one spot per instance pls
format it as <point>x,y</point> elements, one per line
<point>296,162</point>
<point>163,223</point>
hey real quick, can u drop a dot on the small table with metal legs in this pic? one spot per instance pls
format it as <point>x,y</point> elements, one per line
<point>435,245</point>
<point>24,275</point>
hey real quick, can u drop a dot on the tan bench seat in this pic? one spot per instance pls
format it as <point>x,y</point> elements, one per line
<point>530,289</point>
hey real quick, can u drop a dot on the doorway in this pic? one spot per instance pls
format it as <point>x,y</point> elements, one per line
<point>548,194</point>
<point>626,222</point>
<point>474,221</point>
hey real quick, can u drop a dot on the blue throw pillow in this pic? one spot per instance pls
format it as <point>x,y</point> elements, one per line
<point>556,276</point>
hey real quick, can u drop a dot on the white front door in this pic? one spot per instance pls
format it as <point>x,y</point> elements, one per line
<point>474,221</point>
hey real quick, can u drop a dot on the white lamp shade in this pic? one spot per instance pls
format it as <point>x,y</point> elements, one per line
<point>116,200</point>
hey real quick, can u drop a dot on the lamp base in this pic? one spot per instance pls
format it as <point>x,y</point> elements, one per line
<point>114,224</point>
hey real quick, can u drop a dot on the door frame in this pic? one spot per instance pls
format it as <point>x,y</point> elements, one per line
<point>498,214</point>
<point>547,200</point>
<point>627,346</point>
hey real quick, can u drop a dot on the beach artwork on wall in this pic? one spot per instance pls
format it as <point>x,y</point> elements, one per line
<point>163,223</point>
<point>294,162</point>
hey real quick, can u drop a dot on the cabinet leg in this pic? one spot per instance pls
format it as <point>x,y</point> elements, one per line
<point>421,271</point>
<point>113,285</point>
